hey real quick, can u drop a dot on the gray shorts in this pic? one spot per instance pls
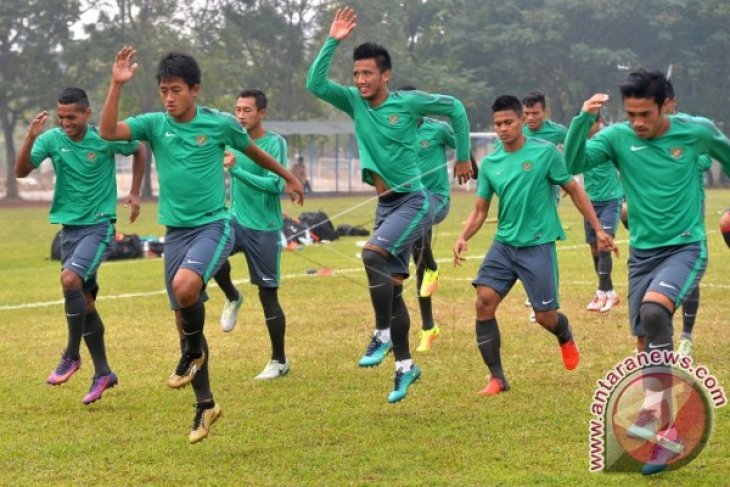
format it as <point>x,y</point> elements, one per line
<point>262,249</point>
<point>400,220</point>
<point>202,250</point>
<point>84,248</point>
<point>441,204</point>
<point>608,213</point>
<point>536,266</point>
<point>673,271</point>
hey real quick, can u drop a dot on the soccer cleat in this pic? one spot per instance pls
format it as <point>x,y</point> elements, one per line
<point>428,337</point>
<point>570,354</point>
<point>611,301</point>
<point>273,370</point>
<point>598,302</point>
<point>204,419</point>
<point>100,383</point>
<point>229,315</point>
<point>494,386</point>
<point>64,370</point>
<point>644,428</point>
<point>185,371</point>
<point>375,352</point>
<point>430,283</point>
<point>667,446</point>
<point>685,347</point>
<point>403,381</point>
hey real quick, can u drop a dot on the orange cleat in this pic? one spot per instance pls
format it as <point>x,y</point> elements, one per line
<point>571,355</point>
<point>494,387</point>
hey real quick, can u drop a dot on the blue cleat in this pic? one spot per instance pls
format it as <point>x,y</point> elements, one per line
<point>403,381</point>
<point>376,352</point>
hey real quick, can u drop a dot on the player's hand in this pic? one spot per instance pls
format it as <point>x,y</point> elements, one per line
<point>595,103</point>
<point>462,171</point>
<point>229,159</point>
<point>296,191</point>
<point>460,247</point>
<point>132,201</point>
<point>124,66</point>
<point>605,242</point>
<point>38,124</point>
<point>343,24</point>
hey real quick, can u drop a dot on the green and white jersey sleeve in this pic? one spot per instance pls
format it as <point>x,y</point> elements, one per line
<point>659,175</point>
<point>523,181</point>
<point>189,159</point>
<point>386,134</point>
<point>255,191</point>
<point>550,131</point>
<point>86,185</point>
<point>432,138</point>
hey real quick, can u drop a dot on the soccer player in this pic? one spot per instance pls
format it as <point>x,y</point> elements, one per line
<point>603,187</point>
<point>188,142</point>
<point>432,138</point>
<point>256,222</point>
<point>84,203</point>
<point>657,156</point>
<point>385,129</point>
<point>522,176</point>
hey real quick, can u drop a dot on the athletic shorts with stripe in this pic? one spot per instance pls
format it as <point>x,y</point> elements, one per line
<point>262,249</point>
<point>84,248</point>
<point>400,220</point>
<point>608,213</point>
<point>673,271</point>
<point>202,250</point>
<point>441,204</point>
<point>535,266</point>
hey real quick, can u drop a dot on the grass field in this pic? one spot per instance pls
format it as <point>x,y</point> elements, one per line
<point>328,422</point>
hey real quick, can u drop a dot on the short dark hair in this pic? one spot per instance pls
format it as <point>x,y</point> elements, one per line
<point>507,102</point>
<point>408,88</point>
<point>370,50</point>
<point>258,95</point>
<point>533,98</point>
<point>645,84</point>
<point>70,96</point>
<point>177,65</point>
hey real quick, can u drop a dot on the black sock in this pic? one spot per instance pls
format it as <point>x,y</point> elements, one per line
<point>424,304</point>
<point>94,339</point>
<point>193,320</point>
<point>489,343</point>
<point>223,279</point>
<point>75,305</point>
<point>604,267</point>
<point>400,326</point>
<point>657,321</point>
<point>380,284</point>
<point>562,330</point>
<point>595,262</point>
<point>201,381</point>
<point>206,404</point>
<point>275,322</point>
<point>689,311</point>
<point>726,235</point>
<point>427,254</point>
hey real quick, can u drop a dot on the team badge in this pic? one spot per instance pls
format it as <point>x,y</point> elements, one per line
<point>393,119</point>
<point>527,166</point>
<point>425,144</point>
<point>91,156</point>
<point>201,139</point>
<point>676,152</point>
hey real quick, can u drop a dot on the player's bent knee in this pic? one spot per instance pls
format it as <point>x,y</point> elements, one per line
<point>70,280</point>
<point>547,319</point>
<point>657,322</point>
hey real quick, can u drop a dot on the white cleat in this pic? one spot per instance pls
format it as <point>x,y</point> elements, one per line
<point>229,315</point>
<point>273,370</point>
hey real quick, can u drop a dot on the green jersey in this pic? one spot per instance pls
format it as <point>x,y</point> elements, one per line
<point>386,134</point>
<point>432,138</point>
<point>659,175</point>
<point>704,163</point>
<point>255,191</point>
<point>523,181</point>
<point>550,131</point>
<point>602,183</point>
<point>86,185</point>
<point>189,159</point>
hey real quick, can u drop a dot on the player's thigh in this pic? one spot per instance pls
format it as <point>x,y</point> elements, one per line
<point>537,268</point>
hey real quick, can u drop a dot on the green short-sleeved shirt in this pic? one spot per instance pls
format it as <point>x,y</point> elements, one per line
<point>432,138</point>
<point>189,159</point>
<point>523,181</point>
<point>602,183</point>
<point>659,175</point>
<point>386,134</point>
<point>86,183</point>
<point>550,131</point>
<point>256,191</point>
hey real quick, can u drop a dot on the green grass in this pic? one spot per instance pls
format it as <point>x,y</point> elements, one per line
<point>328,422</point>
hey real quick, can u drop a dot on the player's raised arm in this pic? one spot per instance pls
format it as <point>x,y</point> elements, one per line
<point>582,154</point>
<point>23,164</point>
<point>123,70</point>
<point>473,223</point>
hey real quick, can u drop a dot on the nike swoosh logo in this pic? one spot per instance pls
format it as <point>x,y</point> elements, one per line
<point>76,265</point>
<point>664,284</point>
<point>651,345</point>
<point>499,172</point>
<point>380,239</point>
<point>547,302</point>
<point>65,149</point>
<point>608,228</point>
<point>635,148</point>
<point>170,134</point>
<point>266,279</point>
<point>190,261</point>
